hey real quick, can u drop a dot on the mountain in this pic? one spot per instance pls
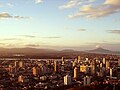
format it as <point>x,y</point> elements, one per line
<point>47,53</point>
<point>102,51</point>
<point>25,50</point>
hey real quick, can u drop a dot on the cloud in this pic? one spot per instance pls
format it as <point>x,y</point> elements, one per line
<point>10,4</point>
<point>32,45</point>
<point>38,1</point>
<point>112,2</point>
<point>52,37</point>
<point>87,8</point>
<point>114,31</point>
<point>29,36</point>
<point>5,15</point>
<point>117,20</point>
<point>2,43</point>
<point>10,39</point>
<point>1,5</point>
<point>70,4</point>
<point>74,3</point>
<point>32,36</point>
<point>81,29</point>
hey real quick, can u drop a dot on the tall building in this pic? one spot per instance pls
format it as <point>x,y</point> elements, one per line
<point>34,71</point>
<point>20,78</point>
<point>83,68</point>
<point>44,69</point>
<point>111,72</point>
<point>87,59</point>
<point>73,63</point>
<point>48,62</point>
<point>76,60</point>
<point>119,62</point>
<point>63,62</point>
<point>87,80</point>
<point>16,65</point>
<point>67,80</point>
<point>104,61</point>
<point>55,66</point>
<point>62,58</point>
<point>101,65</point>
<point>87,69</point>
<point>93,66</point>
<point>107,64</point>
<point>79,59</point>
<point>20,64</point>
<point>10,69</point>
<point>75,72</point>
<point>103,72</point>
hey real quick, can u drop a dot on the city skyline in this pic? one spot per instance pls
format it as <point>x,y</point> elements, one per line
<point>60,24</point>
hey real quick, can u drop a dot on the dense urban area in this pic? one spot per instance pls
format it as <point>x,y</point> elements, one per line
<point>101,72</point>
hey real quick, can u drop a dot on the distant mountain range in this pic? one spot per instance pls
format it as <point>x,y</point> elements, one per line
<point>52,52</point>
<point>26,50</point>
<point>103,51</point>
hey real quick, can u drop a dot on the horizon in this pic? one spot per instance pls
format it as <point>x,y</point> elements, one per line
<point>62,49</point>
<point>60,24</point>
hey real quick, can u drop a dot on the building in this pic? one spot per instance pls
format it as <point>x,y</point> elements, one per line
<point>82,68</point>
<point>79,59</point>
<point>67,80</point>
<point>75,72</point>
<point>44,69</point>
<point>101,65</point>
<point>20,64</point>
<point>111,72</point>
<point>119,62</point>
<point>15,63</point>
<point>34,71</point>
<point>93,66</point>
<point>87,80</point>
<point>104,62</point>
<point>107,64</point>
<point>20,78</point>
<point>55,66</point>
<point>87,69</point>
<point>63,62</point>
<point>10,69</point>
<point>73,63</point>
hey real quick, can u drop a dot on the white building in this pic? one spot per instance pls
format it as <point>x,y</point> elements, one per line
<point>111,72</point>
<point>104,61</point>
<point>67,80</point>
<point>87,80</point>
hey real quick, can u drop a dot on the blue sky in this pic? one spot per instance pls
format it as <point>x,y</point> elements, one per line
<point>60,24</point>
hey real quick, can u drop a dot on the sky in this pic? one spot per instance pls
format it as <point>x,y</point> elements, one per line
<point>60,24</point>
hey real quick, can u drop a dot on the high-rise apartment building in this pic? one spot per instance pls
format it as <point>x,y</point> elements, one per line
<point>75,72</point>
<point>67,80</point>
<point>34,71</point>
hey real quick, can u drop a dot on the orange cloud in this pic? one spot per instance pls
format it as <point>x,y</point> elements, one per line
<point>108,7</point>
